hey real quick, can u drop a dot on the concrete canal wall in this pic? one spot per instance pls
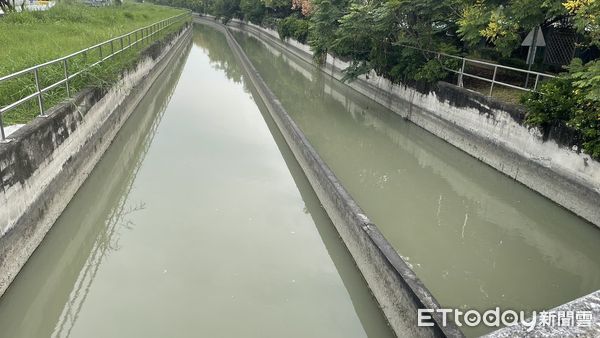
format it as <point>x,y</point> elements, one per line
<point>485,128</point>
<point>394,285</point>
<point>46,161</point>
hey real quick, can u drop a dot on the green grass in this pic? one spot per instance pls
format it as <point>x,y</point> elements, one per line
<point>32,38</point>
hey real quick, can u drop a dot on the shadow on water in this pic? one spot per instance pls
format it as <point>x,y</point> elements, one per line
<point>58,275</point>
<point>475,237</point>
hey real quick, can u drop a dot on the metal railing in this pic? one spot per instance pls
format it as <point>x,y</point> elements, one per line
<point>493,80</point>
<point>105,50</point>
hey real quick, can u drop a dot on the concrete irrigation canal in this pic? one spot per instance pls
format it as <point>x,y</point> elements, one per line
<point>202,220</point>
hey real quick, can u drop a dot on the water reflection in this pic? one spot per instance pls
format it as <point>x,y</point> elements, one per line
<point>221,58</point>
<point>475,237</point>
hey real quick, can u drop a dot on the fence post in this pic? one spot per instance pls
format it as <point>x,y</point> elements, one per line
<point>460,75</point>
<point>493,80</point>
<point>65,68</point>
<point>2,129</point>
<point>537,78</point>
<point>100,48</point>
<point>40,97</point>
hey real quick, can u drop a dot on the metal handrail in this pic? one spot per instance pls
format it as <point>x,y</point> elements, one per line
<point>139,36</point>
<point>461,72</point>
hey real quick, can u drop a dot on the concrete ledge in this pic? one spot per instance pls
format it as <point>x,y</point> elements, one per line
<point>486,129</point>
<point>46,161</point>
<point>394,285</point>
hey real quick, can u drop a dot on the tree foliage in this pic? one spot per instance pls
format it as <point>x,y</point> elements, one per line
<point>292,27</point>
<point>571,100</point>
<point>253,10</point>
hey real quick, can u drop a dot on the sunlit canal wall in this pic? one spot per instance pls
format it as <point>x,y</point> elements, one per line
<point>47,160</point>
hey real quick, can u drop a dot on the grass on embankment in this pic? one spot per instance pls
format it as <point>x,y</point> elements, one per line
<point>31,38</point>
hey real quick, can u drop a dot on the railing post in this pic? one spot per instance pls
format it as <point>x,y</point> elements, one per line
<point>65,68</point>
<point>100,48</point>
<point>460,75</point>
<point>121,40</point>
<point>37,86</point>
<point>537,78</point>
<point>2,135</point>
<point>112,48</point>
<point>493,80</point>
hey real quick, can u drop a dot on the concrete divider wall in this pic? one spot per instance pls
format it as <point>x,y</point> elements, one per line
<point>46,161</point>
<point>394,285</point>
<point>485,128</point>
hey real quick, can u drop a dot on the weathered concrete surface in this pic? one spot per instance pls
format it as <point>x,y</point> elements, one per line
<point>394,285</point>
<point>587,303</point>
<point>485,128</point>
<point>47,160</point>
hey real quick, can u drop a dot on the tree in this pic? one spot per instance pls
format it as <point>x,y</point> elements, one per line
<point>253,10</point>
<point>504,23</point>
<point>388,37</point>
<point>586,19</point>
<point>305,6</point>
<point>324,25</point>
<point>226,10</point>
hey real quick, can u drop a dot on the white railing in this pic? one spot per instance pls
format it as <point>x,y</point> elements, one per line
<point>105,50</point>
<point>462,72</point>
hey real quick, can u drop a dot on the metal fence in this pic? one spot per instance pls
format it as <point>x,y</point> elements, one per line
<point>104,50</point>
<point>515,78</point>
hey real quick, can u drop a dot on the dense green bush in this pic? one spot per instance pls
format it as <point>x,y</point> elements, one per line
<point>571,100</point>
<point>292,27</point>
